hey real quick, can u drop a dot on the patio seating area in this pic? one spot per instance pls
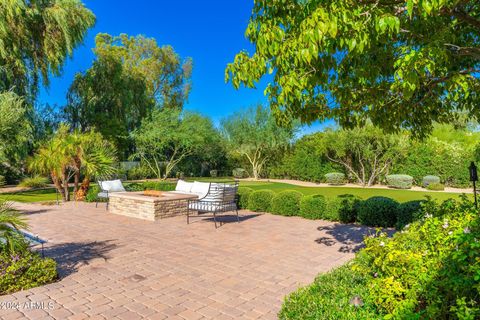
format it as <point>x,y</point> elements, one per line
<point>117,267</point>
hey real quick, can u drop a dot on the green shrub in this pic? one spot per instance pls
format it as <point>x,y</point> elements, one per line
<point>347,213</point>
<point>261,200</point>
<point>24,271</point>
<point>332,210</point>
<point>134,186</point>
<point>287,203</point>
<point>141,172</point>
<point>431,269</point>
<point>243,195</point>
<point>313,206</point>
<point>240,173</point>
<point>427,180</point>
<point>335,178</point>
<point>377,212</point>
<point>92,193</point>
<point>213,173</point>
<point>399,181</point>
<point>328,298</point>
<point>2,181</point>
<point>34,182</point>
<point>436,187</point>
<point>408,212</point>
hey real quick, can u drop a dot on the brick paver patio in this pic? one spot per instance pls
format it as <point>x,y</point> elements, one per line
<point>114,267</point>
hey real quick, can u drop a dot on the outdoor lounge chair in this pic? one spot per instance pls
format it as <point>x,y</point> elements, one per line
<point>107,187</point>
<point>220,198</point>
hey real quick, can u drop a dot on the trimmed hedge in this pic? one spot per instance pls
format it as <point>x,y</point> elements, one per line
<point>335,178</point>
<point>261,200</point>
<point>436,187</point>
<point>427,180</point>
<point>378,212</point>
<point>25,270</point>
<point>313,207</point>
<point>243,195</point>
<point>348,210</point>
<point>399,181</point>
<point>408,212</point>
<point>287,203</point>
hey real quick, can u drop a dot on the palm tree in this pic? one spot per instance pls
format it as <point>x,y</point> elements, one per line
<point>69,155</point>
<point>10,222</point>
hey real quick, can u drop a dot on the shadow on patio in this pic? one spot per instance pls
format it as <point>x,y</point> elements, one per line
<point>349,236</point>
<point>71,256</point>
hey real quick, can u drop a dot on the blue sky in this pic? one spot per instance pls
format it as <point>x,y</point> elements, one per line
<point>211,32</point>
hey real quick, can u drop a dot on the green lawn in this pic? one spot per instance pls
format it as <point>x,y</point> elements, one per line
<point>399,195</point>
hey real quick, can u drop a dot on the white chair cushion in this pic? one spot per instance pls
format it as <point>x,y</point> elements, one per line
<point>200,188</point>
<point>183,186</point>
<point>113,186</point>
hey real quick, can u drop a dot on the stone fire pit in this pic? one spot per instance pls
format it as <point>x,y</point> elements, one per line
<point>148,207</point>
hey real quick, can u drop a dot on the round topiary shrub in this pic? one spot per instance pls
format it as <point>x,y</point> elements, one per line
<point>408,212</point>
<point>313,207</point>
<point>335,178</point>
<point>243,195</point>
<point>261,200</point>
<point>347,212</point>
<point>332,209</point>
<point>399,181</point>
<point>427,180</point>
<point>239,173</point>
<point>377,212</point>
<point>287,203</point>
<point>436,187</point>
<point>213,173</point>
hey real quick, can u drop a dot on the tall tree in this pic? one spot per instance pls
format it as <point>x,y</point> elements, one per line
<point>36,37</point>
<point>15,134</point>
<point>400,63</point>
<point>169,136</point>
<point>255,135</point>
<point>366,153</point>
<point>68,154</point>
<point>130,76</point>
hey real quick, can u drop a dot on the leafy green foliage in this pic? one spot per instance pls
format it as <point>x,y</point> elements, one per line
<point>36,38</point>
<point>15,133</point>
<point>313,207</point>
<point>399,63</point>
<point>11,242</point>
<point>2,181</point>
<point>34,182</point>
<point>399,181</point>
<point>239,173</point>
<point>431,269</point>
<point>140,172</point>
<point>128,79</point>
<point>427,180</point>
<point>287,203</point>
<point>348,211</point>
<point>254,135</point>
<point>25,270</point>
<point>436,187</point>
<point>261,200</point>
<point>365,152</point>
<point>169,136</point>
<point>303,161</point>
<point>377,212</point>
<point>335,178</point>
<point>328,298</point>
<point>408,212</point>
<point>243,195</point>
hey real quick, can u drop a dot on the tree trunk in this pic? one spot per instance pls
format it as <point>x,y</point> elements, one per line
<point>76,182</point>
<point>82,191</point>
<point>58,185</point>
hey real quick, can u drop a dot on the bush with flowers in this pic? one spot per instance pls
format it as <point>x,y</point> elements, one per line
<point>429,270</point>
